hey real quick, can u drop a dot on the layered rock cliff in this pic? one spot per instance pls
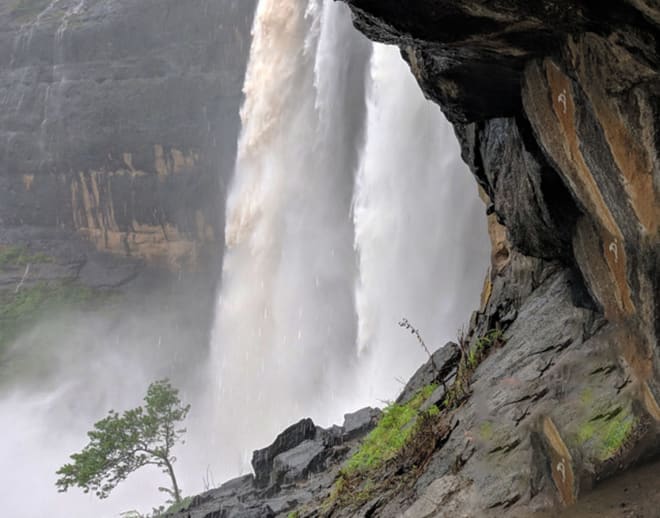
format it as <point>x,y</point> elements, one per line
<point>118,127</point>
<point>557,385</point>
<point>119,123</point>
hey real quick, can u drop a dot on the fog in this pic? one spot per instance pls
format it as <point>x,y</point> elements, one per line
<point>66,373</point>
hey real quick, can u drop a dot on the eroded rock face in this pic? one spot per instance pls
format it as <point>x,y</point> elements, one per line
<point>297,469</point>
<point>119,122</point>
<point>555,105</point>
<point>292,437</point>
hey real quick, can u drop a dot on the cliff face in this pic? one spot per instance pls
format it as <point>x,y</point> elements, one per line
<point>556,106</point>
<point>119,123</point>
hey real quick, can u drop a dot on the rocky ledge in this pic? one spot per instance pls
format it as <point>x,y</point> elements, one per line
<point>298,468</point>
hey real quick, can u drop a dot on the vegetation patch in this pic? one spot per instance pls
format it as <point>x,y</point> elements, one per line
<point>394,454</point>
<point>470,360</point>
<point>392,432</point>
<point>14,256</point>
<point>606,435</point>
<point>22,309</point>
<point>486,431</point>
<point>391,454</point>
<point>178,507</point>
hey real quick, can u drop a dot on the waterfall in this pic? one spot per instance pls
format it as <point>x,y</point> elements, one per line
<point>419,229</point>
<point>349,209</point>
<point>284,340</point>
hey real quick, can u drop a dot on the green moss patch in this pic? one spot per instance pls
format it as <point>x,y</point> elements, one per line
<point>486,431</point>
<point>390,454</point>
<point>181,506</point>
<point>607,435</point>
<point>18,311</point>
<point>14,256</point>
<point>390,435</point>
<point>394,453</point>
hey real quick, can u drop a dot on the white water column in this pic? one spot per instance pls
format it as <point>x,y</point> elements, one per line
<point>420,230</point>
<point>349,210</point>
<point>284,340</point>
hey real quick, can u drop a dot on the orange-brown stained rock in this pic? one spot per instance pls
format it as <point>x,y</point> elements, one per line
<point>631,157</point>
<point>650,403</point>
<point>589,250</point>
<point>500,255</point>
<point>28,180</point>
<point>164,245</point>
<point>635,349</point>
<point>550,105</point>
<point>561,463</point>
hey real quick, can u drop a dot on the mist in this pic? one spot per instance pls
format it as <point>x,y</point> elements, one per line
<point>72,368</point>
<point>420,231</point>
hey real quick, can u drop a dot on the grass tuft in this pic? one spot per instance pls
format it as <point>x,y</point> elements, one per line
<point>470,360</point>
<point>13,256</point>
<point>390,435</point>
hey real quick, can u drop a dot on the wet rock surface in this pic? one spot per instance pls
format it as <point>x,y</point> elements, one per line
<point>118,127</point>
<point>298,469</point>
<point>441,366</point>
<point>555,107</point>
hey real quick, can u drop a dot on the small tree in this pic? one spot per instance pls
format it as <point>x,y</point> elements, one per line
<point>121,444</point>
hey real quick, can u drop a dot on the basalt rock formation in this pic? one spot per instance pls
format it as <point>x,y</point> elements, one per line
<point>297,469</point>
<point>556,106</point>
<point>118,126</point>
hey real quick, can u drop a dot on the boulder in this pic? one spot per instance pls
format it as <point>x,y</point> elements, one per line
<point>358,423</point>
<point>262,460</point>
<point>295,464</point>
<point>440,366</point>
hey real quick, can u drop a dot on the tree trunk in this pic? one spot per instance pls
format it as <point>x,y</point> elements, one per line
<point>175,486</point>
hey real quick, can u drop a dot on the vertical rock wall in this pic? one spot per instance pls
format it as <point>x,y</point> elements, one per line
<point>556,107</point>
<point>119,121</point>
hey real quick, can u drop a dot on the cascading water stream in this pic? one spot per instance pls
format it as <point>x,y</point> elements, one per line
<point>286,328</point>
<point>342,180</point>
<point>419,229</point>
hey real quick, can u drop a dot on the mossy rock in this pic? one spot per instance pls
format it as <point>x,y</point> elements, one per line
<point>606,434</point>
<point>390,434</point>
<point>19,255</point>
<point>22,309</point>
